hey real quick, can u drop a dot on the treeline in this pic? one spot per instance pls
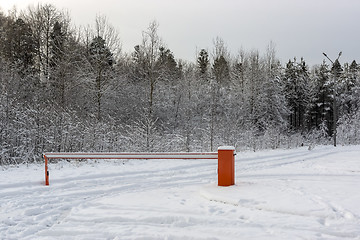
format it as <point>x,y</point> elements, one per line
<point>69,89</point>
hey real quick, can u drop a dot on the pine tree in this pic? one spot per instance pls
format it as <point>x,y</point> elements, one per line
<point>57,43</point>
<point>101,60</point>
<point>19,51</point>
<point>297,89</point>
<point>167,65</point>
<point>21,47</point>
<point>322,104</point>
<point>347,89</point>
<point>221,70</point>
<point>203,61</point>
<point>355,79</point>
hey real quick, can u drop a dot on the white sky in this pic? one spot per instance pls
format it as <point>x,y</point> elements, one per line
<point>299,28</point>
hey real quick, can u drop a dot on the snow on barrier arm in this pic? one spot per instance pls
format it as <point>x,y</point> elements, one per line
<point>208,155</point>
<point>169,155</point>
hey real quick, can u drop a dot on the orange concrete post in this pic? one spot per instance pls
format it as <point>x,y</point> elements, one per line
<point>226,166</point>
<point>46,171</point>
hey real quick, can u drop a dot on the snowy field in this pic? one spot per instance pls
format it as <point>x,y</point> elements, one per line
<point>279,194</point>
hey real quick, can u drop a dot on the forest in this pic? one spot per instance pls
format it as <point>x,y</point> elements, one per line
<point>66,88</point>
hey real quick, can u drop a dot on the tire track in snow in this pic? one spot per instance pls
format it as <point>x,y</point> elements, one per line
<point>277,160</point>
<point>55,202</point>
<point>88,205</point>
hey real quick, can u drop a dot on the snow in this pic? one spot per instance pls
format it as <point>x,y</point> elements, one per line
<point>279,194</point>
<point>226,148</point>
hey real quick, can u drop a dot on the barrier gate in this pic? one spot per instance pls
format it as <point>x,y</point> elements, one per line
<point>225,156</point>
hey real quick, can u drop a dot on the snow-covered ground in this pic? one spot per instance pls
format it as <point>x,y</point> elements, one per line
<point>279,194</point>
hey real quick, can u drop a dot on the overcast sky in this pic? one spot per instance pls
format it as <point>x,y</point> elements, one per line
<point>303,28</point>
